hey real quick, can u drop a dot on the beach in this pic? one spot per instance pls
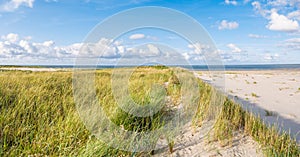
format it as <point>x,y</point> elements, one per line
<point>274,95</point>
<point>270,94</point>
<point>31,69</point>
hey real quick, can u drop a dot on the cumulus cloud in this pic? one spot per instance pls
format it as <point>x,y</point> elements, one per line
<point>13,5</point>
<point>256,36</point>
<point>104,48</point>
<point>12,47</point>
<point>283,15</point>
<point>11,37</point>
<point>282,23</point>
<point>228,2</point>
<point>18,48</point>
<point>228,25</point>
<point>148,50</point>
<point>137,36</point>
<point>234,48</point>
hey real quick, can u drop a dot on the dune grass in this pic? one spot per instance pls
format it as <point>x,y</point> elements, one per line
<point>38,116</point>
<point>234,119</point>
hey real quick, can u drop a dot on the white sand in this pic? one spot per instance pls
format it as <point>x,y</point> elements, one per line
<point>197,143</point>
<point>194,142</point>
<point>273,94</point>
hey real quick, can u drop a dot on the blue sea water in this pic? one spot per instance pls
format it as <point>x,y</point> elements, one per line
<point>198,67</point>
<point>205,67</point>
<point>254,67</point>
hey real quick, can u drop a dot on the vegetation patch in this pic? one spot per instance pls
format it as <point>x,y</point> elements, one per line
<point>38,116</point>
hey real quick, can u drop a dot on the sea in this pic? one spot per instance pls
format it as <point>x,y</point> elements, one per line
<point>196,67</point>
<point>203,67</point>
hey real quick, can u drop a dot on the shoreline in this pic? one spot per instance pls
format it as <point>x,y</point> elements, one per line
<point>273,95</point>
<point>233,67</point>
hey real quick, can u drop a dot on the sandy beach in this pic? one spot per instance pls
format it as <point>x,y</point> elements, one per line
<point>33,69</point>
<point>29,69</point>
<point>274,95</point>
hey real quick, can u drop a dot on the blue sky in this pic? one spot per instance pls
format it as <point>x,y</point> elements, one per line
<point>245,31</point>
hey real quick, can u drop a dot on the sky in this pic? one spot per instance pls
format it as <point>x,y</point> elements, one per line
<point>48,32</point>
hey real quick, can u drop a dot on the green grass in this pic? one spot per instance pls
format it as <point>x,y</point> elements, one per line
<point>38,116</point>
<point>234,119</point>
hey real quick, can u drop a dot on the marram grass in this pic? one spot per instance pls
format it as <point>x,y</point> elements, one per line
<point>38,115</point>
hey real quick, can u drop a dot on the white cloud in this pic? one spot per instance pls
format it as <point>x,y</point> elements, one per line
<point>11,37</point>
<point>199,51</point>
<point>12,46</point>
<point>137,36</point>
<point>103,49</point>
<point>148,50</point>
<point>283,3</point>
<point>278,2</point>
<point>198,48</point>
<point>281,23</point>
<point>258,8</point>
<point>230,57</point>
<point>294,15</point>
<point>234,48</point>
<point>186,56</point>
<point>283,15</point>
<point>13,5</point>
<point>271,57</point>
<point>293,44</point>
<point>256,36</point>
<point>228,25</point>
<point>233,2</point>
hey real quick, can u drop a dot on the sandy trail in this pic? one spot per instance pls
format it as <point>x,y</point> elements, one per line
<point>196,142</point>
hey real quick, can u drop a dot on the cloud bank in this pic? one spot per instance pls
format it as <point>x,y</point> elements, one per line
<point>13,5</point>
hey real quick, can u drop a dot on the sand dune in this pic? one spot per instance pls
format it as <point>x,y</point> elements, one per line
<point>195,143</point>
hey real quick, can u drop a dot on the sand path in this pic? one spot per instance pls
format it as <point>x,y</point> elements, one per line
<point>195,142</point>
